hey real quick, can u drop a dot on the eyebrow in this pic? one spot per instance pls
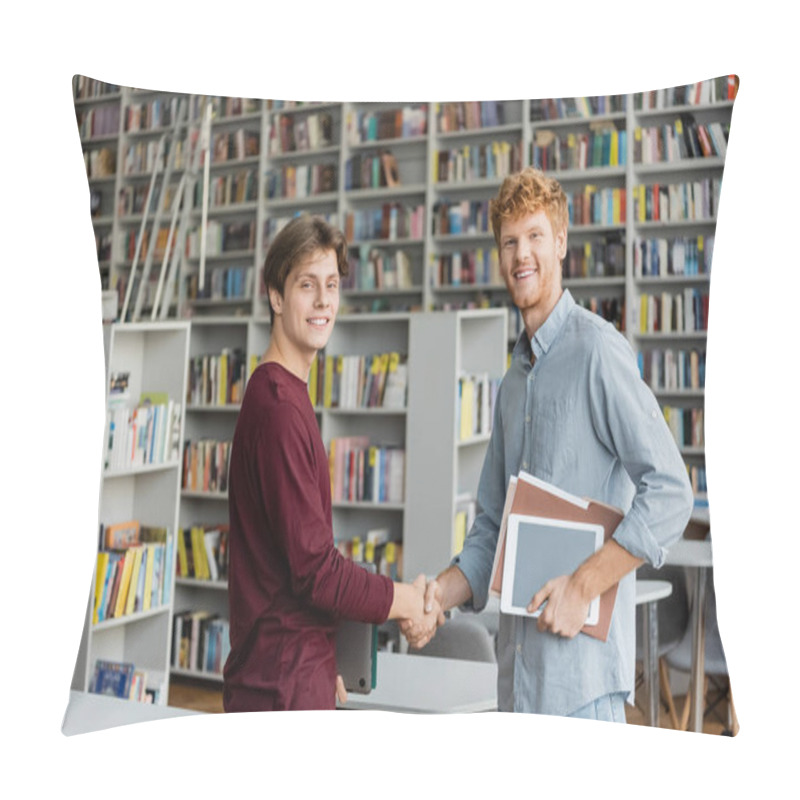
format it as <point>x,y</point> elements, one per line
<point>311,276</point>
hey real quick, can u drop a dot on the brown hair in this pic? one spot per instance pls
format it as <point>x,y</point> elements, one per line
<point>527,192</point>
<point>299,238</point>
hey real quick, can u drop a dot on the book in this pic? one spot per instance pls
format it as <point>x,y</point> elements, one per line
<point>530,495</point>
<point>112,678</point>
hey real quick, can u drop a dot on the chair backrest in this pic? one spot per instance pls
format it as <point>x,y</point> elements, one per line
<point>673,611</point>
<point>461,637</point>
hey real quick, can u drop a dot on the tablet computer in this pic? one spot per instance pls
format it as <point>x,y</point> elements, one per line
<point>538,549</point>
<point>357,651</point>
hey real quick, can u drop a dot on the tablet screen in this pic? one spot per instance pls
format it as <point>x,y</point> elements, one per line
<point>539,549</point>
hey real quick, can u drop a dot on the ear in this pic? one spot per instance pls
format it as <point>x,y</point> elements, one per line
<point>276,301</point>
<point>561,243</point>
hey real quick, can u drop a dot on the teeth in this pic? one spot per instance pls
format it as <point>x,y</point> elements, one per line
<point>318,321</point>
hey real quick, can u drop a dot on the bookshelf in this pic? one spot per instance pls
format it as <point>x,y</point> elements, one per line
<point>210,422</point>
<point>442,480</point>
<point>144,489</point>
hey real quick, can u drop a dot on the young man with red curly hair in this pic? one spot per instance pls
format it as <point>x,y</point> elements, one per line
<point>573,411</point>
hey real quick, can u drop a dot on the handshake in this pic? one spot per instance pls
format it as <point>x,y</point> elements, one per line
<point>426,602</point>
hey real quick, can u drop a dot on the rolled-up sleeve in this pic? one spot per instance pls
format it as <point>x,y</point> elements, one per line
<point>628,421</point>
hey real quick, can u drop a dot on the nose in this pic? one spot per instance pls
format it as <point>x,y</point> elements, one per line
<point>322,299</point>
<point>523,250</point>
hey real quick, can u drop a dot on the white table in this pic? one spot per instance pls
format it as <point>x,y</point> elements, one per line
<point>648,593</point>
<point>427,684</point>
<point>89,712</point>
<point>695,556</point>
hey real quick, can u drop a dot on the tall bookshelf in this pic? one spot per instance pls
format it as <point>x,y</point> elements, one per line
<point>153,355</point>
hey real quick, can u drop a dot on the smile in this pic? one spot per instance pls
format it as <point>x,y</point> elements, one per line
<point>319,321</point>
<point>526,272</point>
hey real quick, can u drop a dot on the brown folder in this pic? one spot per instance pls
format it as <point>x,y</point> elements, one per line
<point>532,496</point>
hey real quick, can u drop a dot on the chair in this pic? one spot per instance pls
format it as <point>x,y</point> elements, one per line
<point>673,623</point>
<point>461,637</point>
<point>716,667</point>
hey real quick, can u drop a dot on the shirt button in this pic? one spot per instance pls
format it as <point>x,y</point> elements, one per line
<point>528,418</point>
<point>519,648</point>
<point>655,414</point>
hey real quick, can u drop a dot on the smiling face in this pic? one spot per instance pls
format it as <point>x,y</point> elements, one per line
<point>305,313</point>
<point>530,263</point>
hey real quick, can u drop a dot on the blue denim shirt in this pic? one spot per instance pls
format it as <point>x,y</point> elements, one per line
<point>582,419</point>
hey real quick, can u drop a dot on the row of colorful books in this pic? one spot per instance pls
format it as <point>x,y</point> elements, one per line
<point>232,282</point>
<point>203,552</point>
<point>467,268</point>
<point>375,548</point>
<point>371,171</point>
<point>131,200</point>
<point>121,679</point>
<point>217,379</point>
<point>576,107</point>
<point>372,268</point>
<point>460,217</point>
<point>200,641</point>
<point>235,145</point>
<point>158,113</point>
<point>205,465</point>
<point>400,123</point>
<point>686,425</point>
<point>551,151</point>
<point>468,116</point>
<point>87,88</point>
<point>611,309</point>
<point>293,181</point>
<point>677,202</point>
<point>377,380</point>
<point>361,472</point>
<point>132,572</point>
<point>684,138</point>
<point>682,255</point>
<point>390,221</point>
<point>669,369</point>
<point>477,161</point>
<point>593,205</point>
<point>697,477</point>
<point>226,190</point>
<point>715,90</point>
<point>678,312</point>
<point>101,162</point>
<point>301,133</point>
<point>142,434</point>
<point>99,121</point>
<point>222,237</point>
<point>475,406</point>
<point>600,258</point>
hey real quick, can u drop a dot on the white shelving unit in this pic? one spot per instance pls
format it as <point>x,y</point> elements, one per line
<point>442,468</point>
<point>154,355</point>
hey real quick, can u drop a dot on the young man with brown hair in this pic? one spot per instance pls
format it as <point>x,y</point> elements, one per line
<point>287,583</point>
<point>573,411</point>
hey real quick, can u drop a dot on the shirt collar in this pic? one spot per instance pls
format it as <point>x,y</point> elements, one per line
<point>548,332</point>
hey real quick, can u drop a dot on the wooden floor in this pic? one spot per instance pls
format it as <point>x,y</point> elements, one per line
<point>202,696</point>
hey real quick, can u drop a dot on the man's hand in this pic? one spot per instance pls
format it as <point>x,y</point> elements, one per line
<point>566,610</point>
<point>420,631</point>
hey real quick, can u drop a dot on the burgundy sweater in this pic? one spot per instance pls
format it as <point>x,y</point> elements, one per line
<point>287,583</point>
